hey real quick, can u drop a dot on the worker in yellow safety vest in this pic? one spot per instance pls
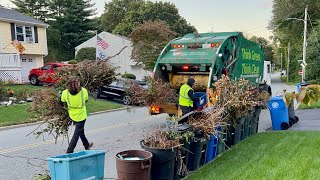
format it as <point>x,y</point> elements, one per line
<point>186,97</point>
<point>75,98</point>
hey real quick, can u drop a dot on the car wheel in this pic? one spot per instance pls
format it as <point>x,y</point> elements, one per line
<point>98,93</point>
<point>126,99</point>
<point>34,80</point>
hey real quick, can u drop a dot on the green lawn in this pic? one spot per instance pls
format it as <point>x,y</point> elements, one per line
<point>17,114</point>
<point>313,106</point>
<point>285,155</point>
<point>13,115</point>
<point>27,88</point>
<point>284,79</point>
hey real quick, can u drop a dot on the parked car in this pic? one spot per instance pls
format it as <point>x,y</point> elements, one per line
<point>48,68</point>
<point>117,90</point>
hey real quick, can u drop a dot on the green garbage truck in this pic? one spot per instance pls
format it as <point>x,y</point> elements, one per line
<point>206,57</point>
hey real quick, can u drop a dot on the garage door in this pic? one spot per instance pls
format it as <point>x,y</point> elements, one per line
<point>26,65</point>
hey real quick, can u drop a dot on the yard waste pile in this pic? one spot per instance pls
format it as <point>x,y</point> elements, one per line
<point>158,93</point>
<point>178,150</point>
<point>46,105</point>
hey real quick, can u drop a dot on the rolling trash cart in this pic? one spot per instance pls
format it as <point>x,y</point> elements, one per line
<point>279,113</point>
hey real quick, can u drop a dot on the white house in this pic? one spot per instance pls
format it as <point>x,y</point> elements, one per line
<point>31,34</point>
<point>123,60</point>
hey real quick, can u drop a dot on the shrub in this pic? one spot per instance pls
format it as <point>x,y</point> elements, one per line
<point>86,54</point>
<point>72,62</point>
<point>128,76</point>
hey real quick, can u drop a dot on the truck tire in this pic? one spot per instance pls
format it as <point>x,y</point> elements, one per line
<point>34,80</point>
<point>266,88</point>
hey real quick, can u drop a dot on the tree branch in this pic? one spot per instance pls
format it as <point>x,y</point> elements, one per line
<point>110,57</point>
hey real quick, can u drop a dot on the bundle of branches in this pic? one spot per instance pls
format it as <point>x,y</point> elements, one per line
<point>205,122</point>
<point>238,98</point>
<point>157,93</point>
<point>46,105</point>
<point>161,139</point>
<point>92,74</point>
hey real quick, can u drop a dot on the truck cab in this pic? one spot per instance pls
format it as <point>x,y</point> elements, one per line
<point>206,57</point>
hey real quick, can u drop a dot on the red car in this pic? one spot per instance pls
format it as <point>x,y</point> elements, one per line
<point>46,69</point>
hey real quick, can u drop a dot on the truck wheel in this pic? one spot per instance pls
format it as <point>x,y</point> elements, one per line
<point>284,126</point>
<point>34,80</point>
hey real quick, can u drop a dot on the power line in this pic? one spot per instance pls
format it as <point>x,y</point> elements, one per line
<point>256,28</point>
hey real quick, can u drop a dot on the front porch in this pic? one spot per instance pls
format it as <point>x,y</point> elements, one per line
<point>10,68</point>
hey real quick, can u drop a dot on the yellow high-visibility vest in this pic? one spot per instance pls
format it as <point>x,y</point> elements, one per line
<point>76,104</point>
<point>184,99</point>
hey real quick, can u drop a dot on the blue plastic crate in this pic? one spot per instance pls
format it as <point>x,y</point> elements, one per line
<point>84,165</point>
<point>202,102</point>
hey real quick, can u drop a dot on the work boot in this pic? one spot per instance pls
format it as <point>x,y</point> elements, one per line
<point>90,146</point>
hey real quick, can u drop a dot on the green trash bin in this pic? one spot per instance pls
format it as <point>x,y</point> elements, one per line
<point>222,138</point>
<point>197,155</point>
<point>248,125</point>
<point>239,130</point>
<point>255,120</point>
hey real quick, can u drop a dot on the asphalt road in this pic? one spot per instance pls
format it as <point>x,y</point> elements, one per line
<point>113,132</point>
<point>24,156</point>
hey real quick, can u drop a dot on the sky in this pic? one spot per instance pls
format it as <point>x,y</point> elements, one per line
<point>248,16</point>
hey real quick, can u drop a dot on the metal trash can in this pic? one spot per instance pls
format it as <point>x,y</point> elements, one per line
<point>279,113</point>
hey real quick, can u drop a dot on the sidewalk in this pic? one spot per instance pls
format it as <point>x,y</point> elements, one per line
<point>309,120</point>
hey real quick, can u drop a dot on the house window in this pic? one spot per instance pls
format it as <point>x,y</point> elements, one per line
<point>19,33</point>
<point>24,33</point>
<point>29,60</point>
<point>24,60</point>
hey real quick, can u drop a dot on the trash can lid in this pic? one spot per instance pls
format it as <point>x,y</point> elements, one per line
<point>276,98</point>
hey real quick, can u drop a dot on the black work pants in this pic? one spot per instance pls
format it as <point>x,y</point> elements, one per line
<point>185,110</point>
<point>78,132</point>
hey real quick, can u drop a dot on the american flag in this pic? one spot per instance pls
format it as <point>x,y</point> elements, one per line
<point>102,43</point>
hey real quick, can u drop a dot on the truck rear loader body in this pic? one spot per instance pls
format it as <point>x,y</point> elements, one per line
<point>206,57</point>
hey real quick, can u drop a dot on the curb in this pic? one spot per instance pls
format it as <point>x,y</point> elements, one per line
<point>40,122</point>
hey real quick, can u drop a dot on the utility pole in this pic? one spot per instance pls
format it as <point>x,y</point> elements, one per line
<point>288,61</point>
<point>281,66</point>
<point>304,64</point>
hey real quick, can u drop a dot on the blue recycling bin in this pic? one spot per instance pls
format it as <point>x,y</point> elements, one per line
<point>299,87</point>
<point>202,102</point>
<point>80,165</point>
<point>279,113</point>
<point>212,148</point>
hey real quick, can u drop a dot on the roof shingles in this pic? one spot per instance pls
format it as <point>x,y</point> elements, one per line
<point>9,14</point>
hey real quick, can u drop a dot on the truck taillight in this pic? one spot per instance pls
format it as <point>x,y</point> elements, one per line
<point>185,67</point>
<point>155,109</point>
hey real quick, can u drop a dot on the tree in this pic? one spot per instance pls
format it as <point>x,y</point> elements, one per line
<point>286,30</point>
<point>75,26</point>
<point>88,53</point>
<point>148,40</point>
<point>313,56</point>
<point>268,50</point>
<point>122,16</point>
<point>37,9</point>
<point>115,12</point>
